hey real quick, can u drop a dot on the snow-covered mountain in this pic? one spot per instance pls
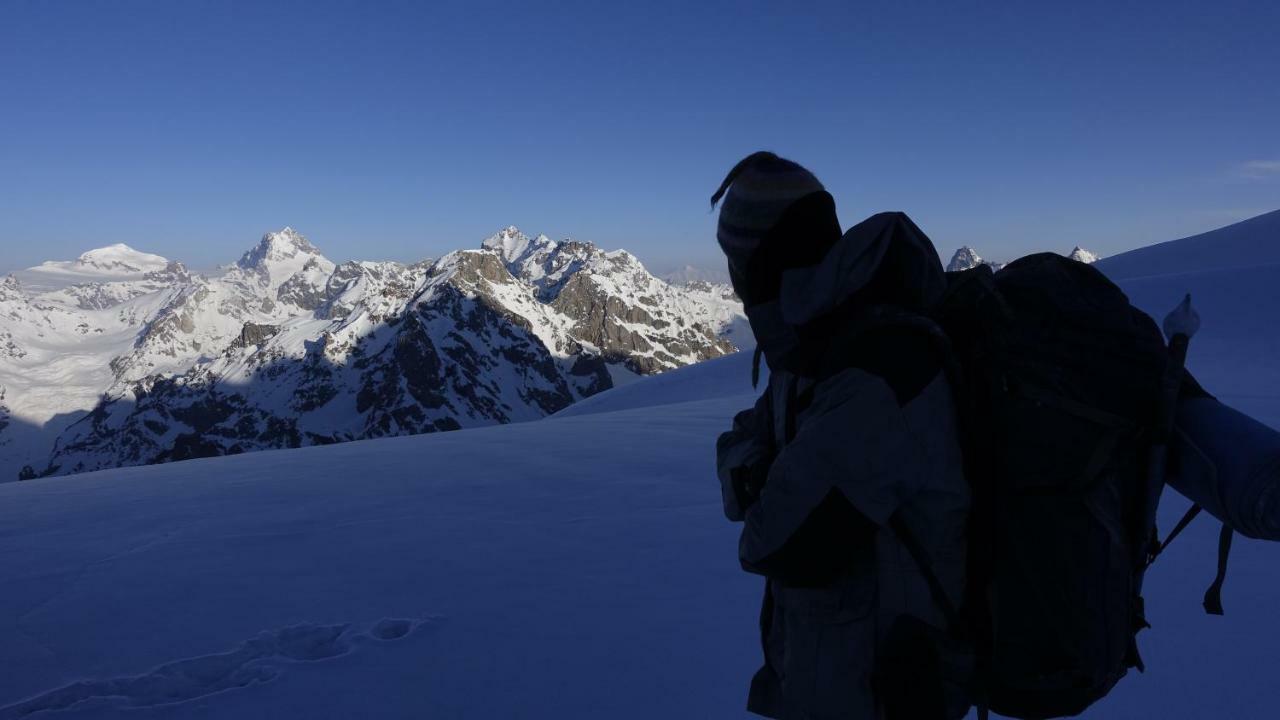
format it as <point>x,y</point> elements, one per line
<point>55,358</point>
<point>113,263</point>
<point>1079,254</point>
<point>130,359</point>
<point>966,257</point>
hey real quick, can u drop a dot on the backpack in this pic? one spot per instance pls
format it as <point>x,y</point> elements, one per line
<point>1058,382</point>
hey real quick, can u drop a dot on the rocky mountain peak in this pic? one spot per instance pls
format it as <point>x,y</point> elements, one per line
<point>467,268</point>
<point>279,247</point>
<point>964,259</point>
<point>1079,254</point>
<point>279,256</point>
<point>514,246</point>
<point>174,271</point>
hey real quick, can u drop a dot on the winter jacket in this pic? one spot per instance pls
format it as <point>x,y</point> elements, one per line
<point>855,433</point>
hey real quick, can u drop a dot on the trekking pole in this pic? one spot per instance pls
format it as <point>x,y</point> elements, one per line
<point>1180,325</point>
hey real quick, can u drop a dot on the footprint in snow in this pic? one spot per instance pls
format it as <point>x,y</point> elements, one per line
<point>258,660</point>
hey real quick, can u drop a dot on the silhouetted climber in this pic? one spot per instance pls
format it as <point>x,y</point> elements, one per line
<point>951,480</point>
<point>854,440</point>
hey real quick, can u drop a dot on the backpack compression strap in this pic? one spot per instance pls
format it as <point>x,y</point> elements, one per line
<point>1212,596</point>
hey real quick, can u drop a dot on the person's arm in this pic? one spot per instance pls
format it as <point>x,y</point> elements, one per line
<point>852,463</point>
<point>743,457</point>
<point>826,545</point>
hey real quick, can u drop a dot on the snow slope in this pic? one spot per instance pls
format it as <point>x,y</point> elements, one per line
<point>722,377</point>
<point>1248,243</point>
<point>571,567</point>
<point>1232,275</point>
<point>577,566</point>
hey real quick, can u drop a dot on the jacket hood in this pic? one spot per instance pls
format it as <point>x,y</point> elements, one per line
<point>883,259</point>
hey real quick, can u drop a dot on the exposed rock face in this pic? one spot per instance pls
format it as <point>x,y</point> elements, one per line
<point>620,310</point>
<point>255,334</point>
<point>624,332</point>
<point>286,349</point>
<point>379,287</point>
<point>307,289</point>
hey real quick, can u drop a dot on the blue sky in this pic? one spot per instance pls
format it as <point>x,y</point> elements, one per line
<point>387,130</point>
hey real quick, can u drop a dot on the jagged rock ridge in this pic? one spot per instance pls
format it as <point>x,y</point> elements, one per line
<point>285,348</point>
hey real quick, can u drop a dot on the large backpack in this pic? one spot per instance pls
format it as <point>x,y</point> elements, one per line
<point>1058,382</point>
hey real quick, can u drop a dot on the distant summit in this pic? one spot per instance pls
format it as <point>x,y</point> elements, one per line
<point>119,259</point>
<point>692,274</point>
<point>514,246</point>
<point>288,246</point>
<point>966,257</point>
<point>287,265</point>
<point>113,262</point>
<point>1079,254</point>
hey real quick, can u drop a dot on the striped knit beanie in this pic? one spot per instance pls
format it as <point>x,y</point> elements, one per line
<point>757,192</point>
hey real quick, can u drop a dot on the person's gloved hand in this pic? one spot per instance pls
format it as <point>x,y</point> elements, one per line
<point>743,457</point>
<point>748,481</point>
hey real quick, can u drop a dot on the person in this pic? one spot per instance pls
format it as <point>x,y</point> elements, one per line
<point>847,473</point>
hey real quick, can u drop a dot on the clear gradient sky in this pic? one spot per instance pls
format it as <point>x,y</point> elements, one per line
<point>389,130</point>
